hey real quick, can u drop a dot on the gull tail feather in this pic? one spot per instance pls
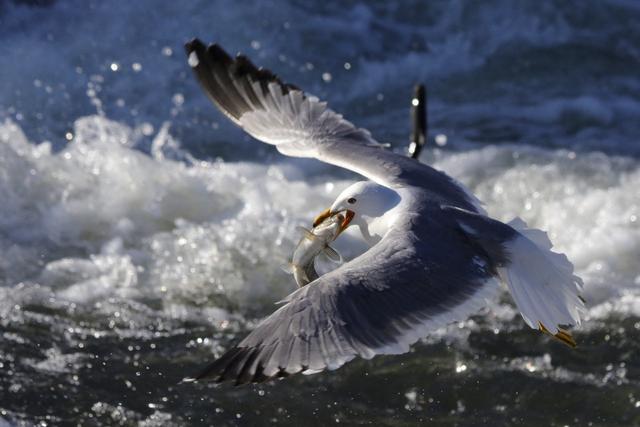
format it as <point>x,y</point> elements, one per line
<point>542,282</point>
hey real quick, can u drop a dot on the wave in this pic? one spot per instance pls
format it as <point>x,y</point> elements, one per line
<point>496,72</point>
<point>102,219</point>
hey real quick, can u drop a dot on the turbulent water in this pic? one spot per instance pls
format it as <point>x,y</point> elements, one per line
<point>141,234</point>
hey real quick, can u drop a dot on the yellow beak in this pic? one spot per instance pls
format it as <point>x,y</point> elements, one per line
<point>320,218</point>
<point>327,213</point>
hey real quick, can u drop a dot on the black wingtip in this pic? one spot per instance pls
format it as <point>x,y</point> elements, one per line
<point>229,82</point>
<point>193,45</point>
<point>219,55</point>
<point>231,366</point>
<point>238,366</point>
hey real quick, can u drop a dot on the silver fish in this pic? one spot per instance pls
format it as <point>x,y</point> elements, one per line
<point>313,243</point>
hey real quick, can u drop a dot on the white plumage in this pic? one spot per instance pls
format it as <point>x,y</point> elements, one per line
<point>541,281</point>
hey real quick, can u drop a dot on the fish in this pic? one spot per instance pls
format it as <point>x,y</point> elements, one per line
<point>313,243</point>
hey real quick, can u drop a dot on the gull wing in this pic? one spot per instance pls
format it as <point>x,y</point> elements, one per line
<point>299,125</point>
<point>379,303</point>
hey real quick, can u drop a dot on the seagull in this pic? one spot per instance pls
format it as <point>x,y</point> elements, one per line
<point>435,256</point>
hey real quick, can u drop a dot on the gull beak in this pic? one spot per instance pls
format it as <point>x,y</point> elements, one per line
<point>348,216</point>
<point>347,220</point>
<point>323,215</point>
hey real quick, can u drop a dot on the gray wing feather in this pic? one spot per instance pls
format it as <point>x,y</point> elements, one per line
<point>379,303</point>
<point>298,125</point>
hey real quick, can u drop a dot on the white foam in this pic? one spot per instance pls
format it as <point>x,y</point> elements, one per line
<point>101,219</point>
<point>148,226</point>
<point>57,362</point>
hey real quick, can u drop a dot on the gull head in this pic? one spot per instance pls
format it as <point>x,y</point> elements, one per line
<point>360,203</point>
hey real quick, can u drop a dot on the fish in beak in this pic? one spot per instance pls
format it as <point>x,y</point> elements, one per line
<point>348,216</point>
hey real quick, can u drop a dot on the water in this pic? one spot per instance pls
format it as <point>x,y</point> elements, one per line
<point>140,233</point>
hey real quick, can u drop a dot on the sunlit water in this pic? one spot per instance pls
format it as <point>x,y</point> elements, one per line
<point>141,234</point>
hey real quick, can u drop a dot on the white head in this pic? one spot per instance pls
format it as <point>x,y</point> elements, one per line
<point>361,201</point>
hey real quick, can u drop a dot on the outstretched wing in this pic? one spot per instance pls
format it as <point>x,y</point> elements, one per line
<point>379,303</point>
<point>302,126</point>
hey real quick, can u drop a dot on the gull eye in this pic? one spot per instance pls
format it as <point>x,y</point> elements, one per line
<point>351,200</point>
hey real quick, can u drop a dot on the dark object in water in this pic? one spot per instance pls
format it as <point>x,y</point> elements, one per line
<point>36,3</point>
<point>419,121</point>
